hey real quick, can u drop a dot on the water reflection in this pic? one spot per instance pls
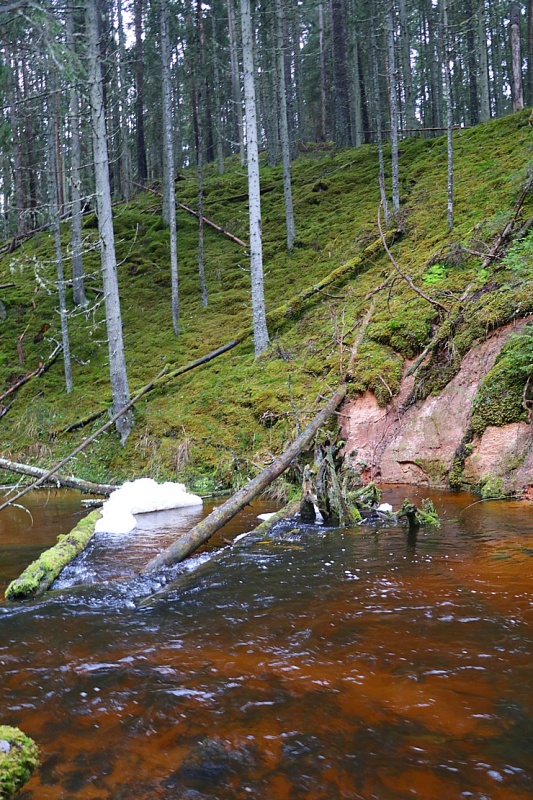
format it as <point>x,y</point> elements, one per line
<point>313,664</point>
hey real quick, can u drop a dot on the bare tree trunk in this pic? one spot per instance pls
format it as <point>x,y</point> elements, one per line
<point>55,219</point>
<point>168,144</point>
<point>254,191</point>
<point>117,361</point>
<point>340,75</point>
<point>448,101</point>
<point>284,129</point>
<point>379,136</point>
<point>483,64</point>
<point>235,82</point>
<point>393,106</point>
<point>125,153</point>
<point>529,99</point>
<point>356,104</point>
<point>216,70</point>
<point>201,100</point>
<point>323,95</point>
<point>18,162</point>
<point>405,41</point>
<point>142,169</point>
<point>516,59</point>
<point>78,286</point>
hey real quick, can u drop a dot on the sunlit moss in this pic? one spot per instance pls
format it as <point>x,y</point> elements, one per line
<point>19,757</point>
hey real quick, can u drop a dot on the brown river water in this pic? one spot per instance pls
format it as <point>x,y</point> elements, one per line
<point>307,664</point>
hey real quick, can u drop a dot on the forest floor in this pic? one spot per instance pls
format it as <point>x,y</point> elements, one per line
<point>218,425</point>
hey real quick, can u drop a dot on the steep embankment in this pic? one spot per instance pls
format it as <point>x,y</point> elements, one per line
<point>222,422</point>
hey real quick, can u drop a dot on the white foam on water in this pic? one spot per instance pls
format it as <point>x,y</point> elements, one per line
<point>140,497</point>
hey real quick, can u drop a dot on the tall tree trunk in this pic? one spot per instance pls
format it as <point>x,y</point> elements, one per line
<point>448,100</point>
<point>254,192</point>
<point>78,285</point>
<point>482,60</point>
<point>323,93</point>
<point>168,143</point>
<point>516,59</point>
<point>201,100</point>
<point>284,129</point>
<point>529,99</point>
<point>473,100</point>
<point>342,103</point>
<point>117,361</point>
<point>218,104</point>
<point>235,83</point>
<point>393,108</point>
<point>356,106</point>
<point>405,41</point>
<point>142,169</point>
<point>377,102</point>
<point>55,219</point>
<point>30,145</point>
<point>18,160</point>
<point>124,146</point>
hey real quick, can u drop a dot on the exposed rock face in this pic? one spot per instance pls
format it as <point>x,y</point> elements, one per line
<point>418,445</point>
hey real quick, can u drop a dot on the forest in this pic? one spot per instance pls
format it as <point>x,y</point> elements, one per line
<point>177,177</point>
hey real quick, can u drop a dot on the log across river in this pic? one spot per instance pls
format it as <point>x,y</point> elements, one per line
<point>309,663</point>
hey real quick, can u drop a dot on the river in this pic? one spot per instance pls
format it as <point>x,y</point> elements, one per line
<point>315,663</point>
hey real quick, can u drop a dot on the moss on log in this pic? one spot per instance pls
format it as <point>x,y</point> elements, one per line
<point>19,756</point>
<point>40,575</point>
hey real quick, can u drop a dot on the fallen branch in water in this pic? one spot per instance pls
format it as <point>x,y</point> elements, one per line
<point>84,444</point>
<point>203,531</point>
<point>57,480</point>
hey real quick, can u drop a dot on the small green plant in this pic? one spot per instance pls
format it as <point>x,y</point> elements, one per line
<point>434,275</point>
<point>519,258</point>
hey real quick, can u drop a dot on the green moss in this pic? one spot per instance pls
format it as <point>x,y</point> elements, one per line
<point>222,421</point>
<point>491,488</point>
<point>500,394</point>
<point>19,757</point>
<point>39,575</point>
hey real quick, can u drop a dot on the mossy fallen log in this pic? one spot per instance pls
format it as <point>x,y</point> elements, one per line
<point>40,575</point>
<point>19,757</point>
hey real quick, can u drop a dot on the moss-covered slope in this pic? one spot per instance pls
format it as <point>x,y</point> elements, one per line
<point>223,421</point>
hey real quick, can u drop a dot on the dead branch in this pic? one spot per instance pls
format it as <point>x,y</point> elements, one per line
<point>85,443</point>
<point>406,278</point>
<point>39,371</point>
<point>194,213</point>
<point>57,480</point>
<point>156,383</point>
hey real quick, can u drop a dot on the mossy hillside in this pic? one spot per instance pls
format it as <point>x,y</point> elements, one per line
<point>228,418</point>
<point>19,757</point>
<point>39,575</point>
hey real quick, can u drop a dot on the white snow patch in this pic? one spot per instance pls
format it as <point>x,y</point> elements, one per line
<point>266,517</point>
<point>385,507</point>
<point>140,497</point>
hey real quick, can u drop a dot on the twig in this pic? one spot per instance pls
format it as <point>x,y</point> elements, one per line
<point>402,273</point>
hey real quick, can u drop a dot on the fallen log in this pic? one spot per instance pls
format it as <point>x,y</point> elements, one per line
<point>194,213</point>
<point>42,368</point>
<point>158,382</point>
<point>40,575</point>
<point>68,481</point>
<point>191,578</point>
<point>203,531</point>
<point>84,444</point>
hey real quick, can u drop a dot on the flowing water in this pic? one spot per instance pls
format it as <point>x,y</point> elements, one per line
<point>310,663</point>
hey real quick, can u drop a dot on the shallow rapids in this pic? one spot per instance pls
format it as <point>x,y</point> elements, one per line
<point>313,663</point>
